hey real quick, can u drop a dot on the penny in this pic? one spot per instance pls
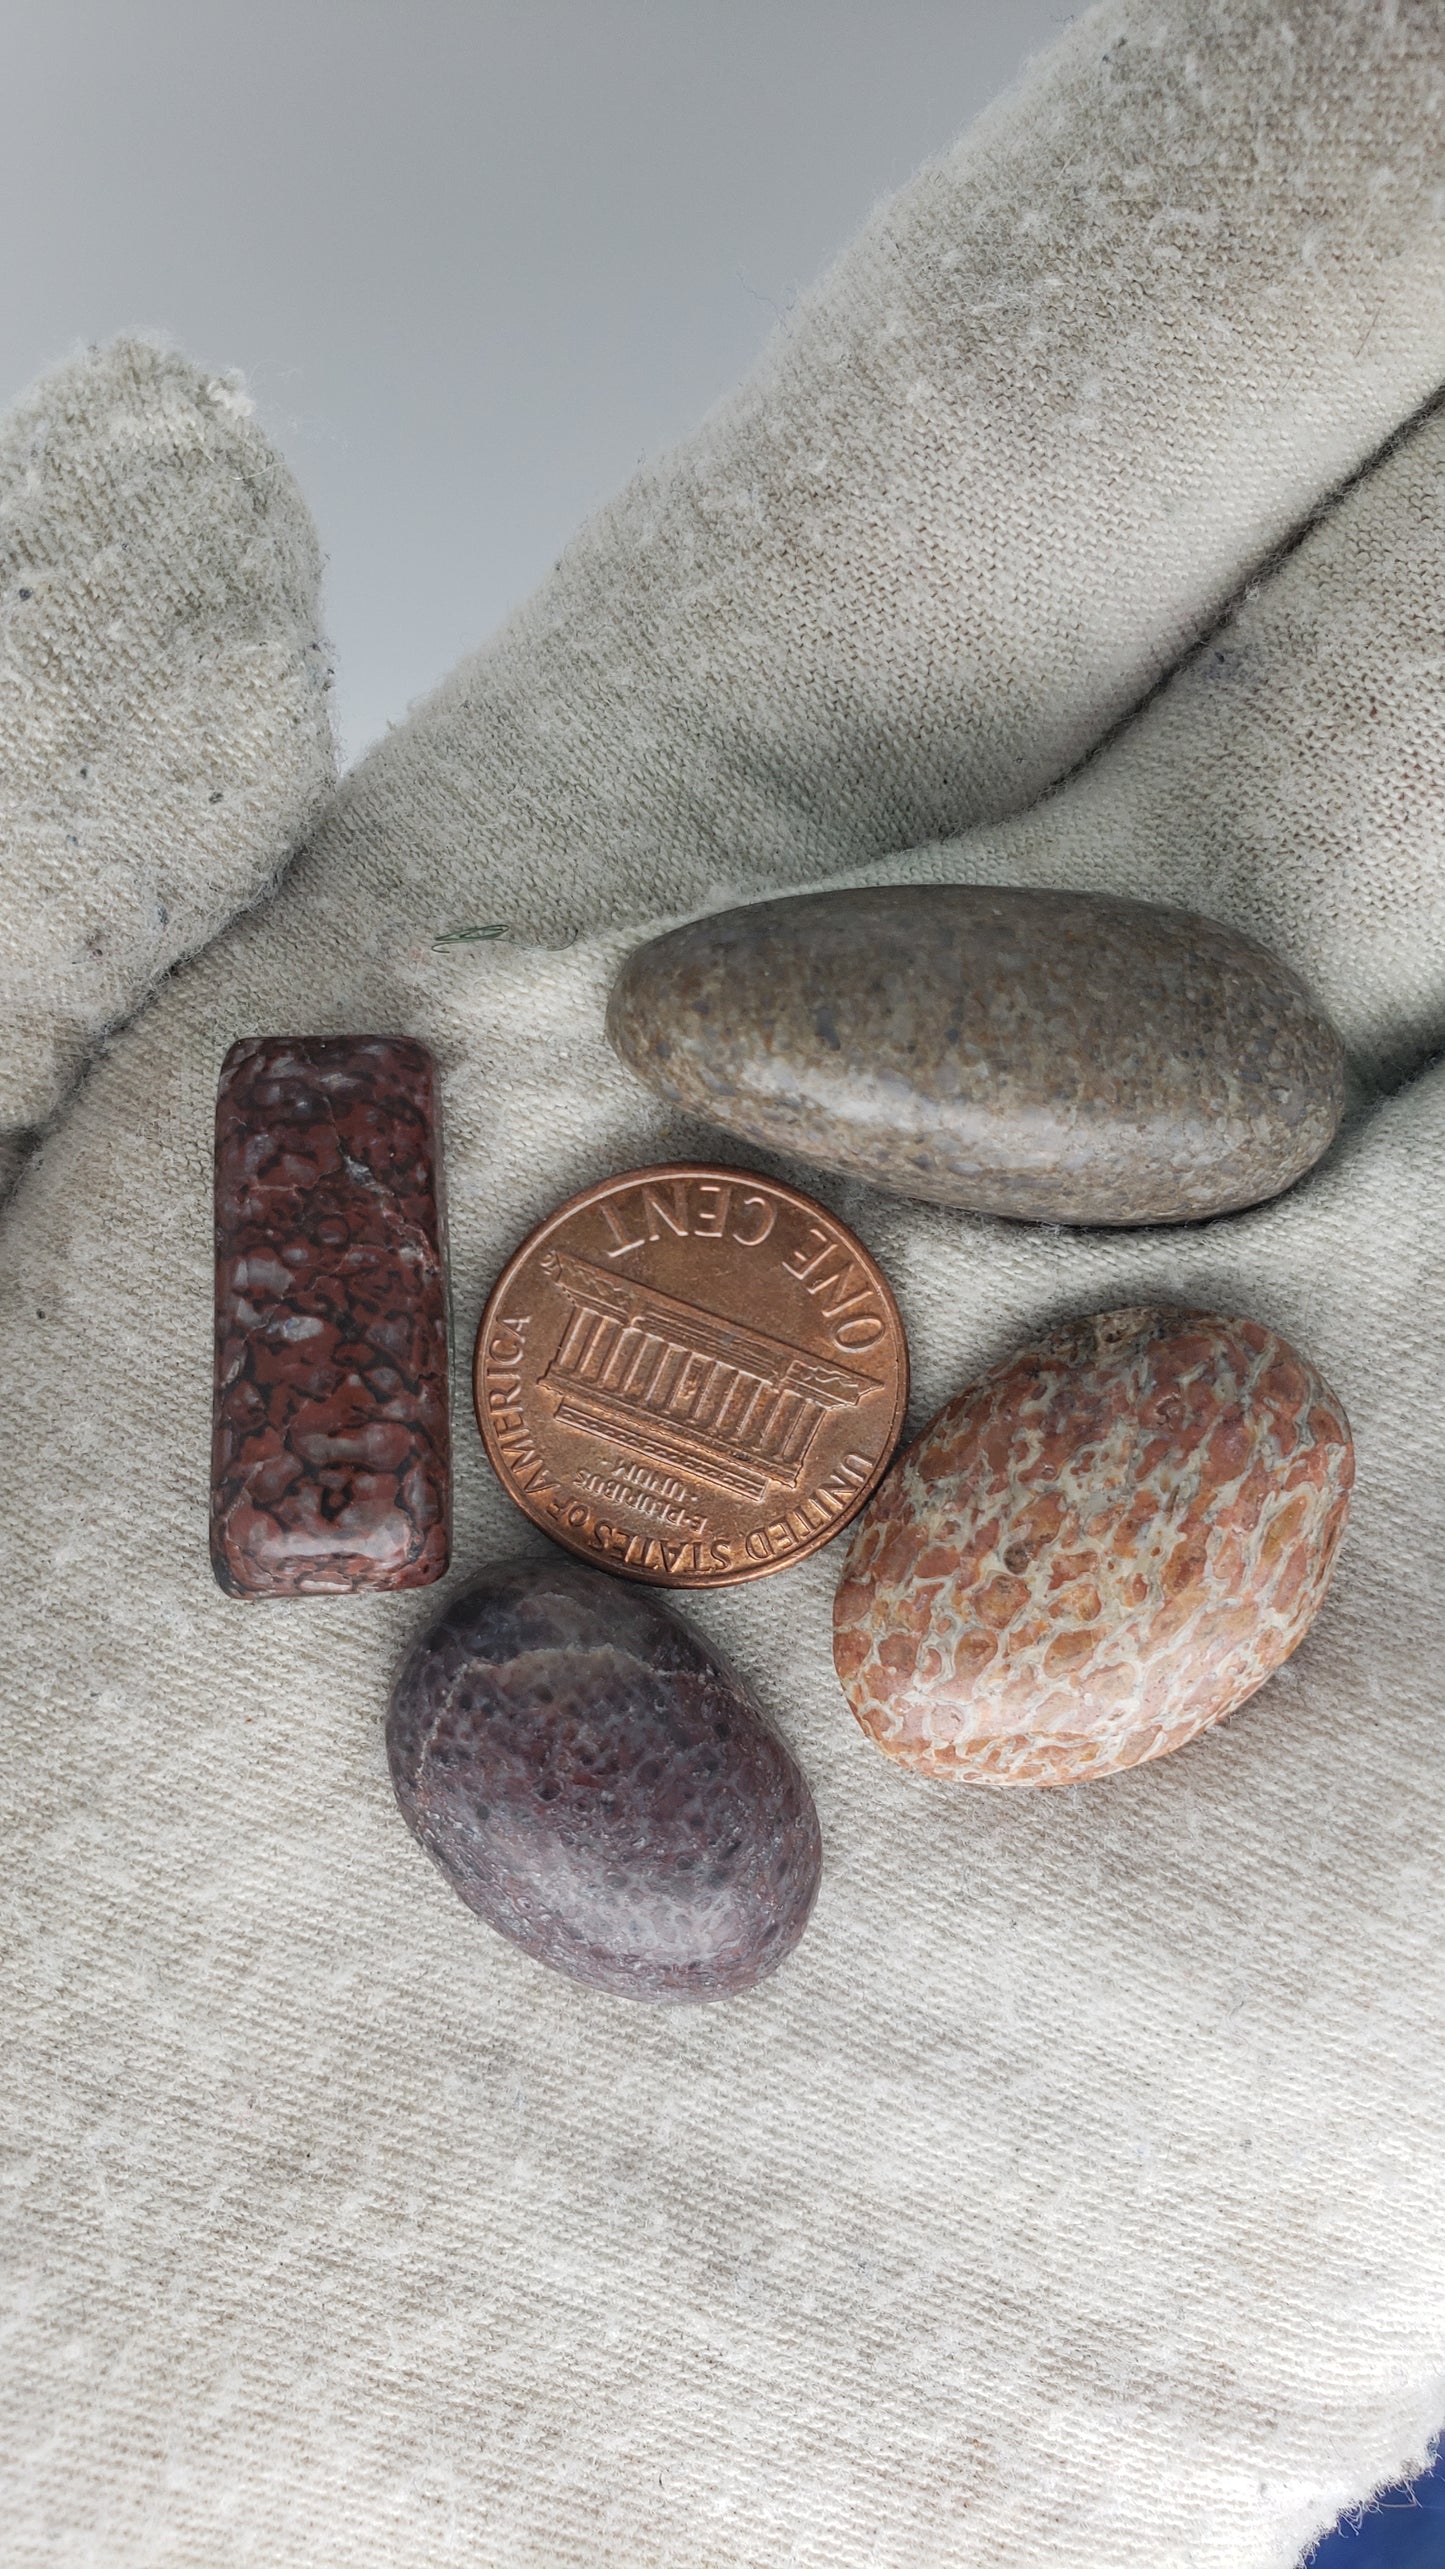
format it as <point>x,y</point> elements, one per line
<point>691,1375</point>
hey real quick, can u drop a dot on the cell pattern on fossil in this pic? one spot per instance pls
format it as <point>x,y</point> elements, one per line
<point>1089,1555</point>
<point>331,1457</point>
<point>597,1784</point>
<point>1049,1055</point>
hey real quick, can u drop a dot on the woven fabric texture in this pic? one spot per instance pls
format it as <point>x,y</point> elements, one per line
<point>1072,2196</point>
<point>164,737</point>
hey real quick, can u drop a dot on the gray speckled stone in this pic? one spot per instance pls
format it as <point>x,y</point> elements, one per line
<point>1055,1056</point>
<point>595,1783</point>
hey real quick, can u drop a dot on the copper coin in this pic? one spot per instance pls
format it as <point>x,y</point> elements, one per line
<point>691,1375</point>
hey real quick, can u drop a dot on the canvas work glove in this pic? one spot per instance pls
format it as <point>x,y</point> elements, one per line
<point>164,739</point>
<point>1072,2195</point>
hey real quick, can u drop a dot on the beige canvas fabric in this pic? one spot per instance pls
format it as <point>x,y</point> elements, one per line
<point>1073,2195</point>
<point>164,739</point>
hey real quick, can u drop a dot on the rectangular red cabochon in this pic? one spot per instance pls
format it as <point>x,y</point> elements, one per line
<point>331,1456</point>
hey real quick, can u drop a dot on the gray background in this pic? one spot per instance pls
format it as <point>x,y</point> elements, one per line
<point>475,257</point>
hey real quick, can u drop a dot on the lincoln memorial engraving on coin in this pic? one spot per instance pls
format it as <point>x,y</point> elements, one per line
<point>691,1375</point>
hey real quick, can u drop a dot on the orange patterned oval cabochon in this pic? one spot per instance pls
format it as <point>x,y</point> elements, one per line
<point>1095,1551</point>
